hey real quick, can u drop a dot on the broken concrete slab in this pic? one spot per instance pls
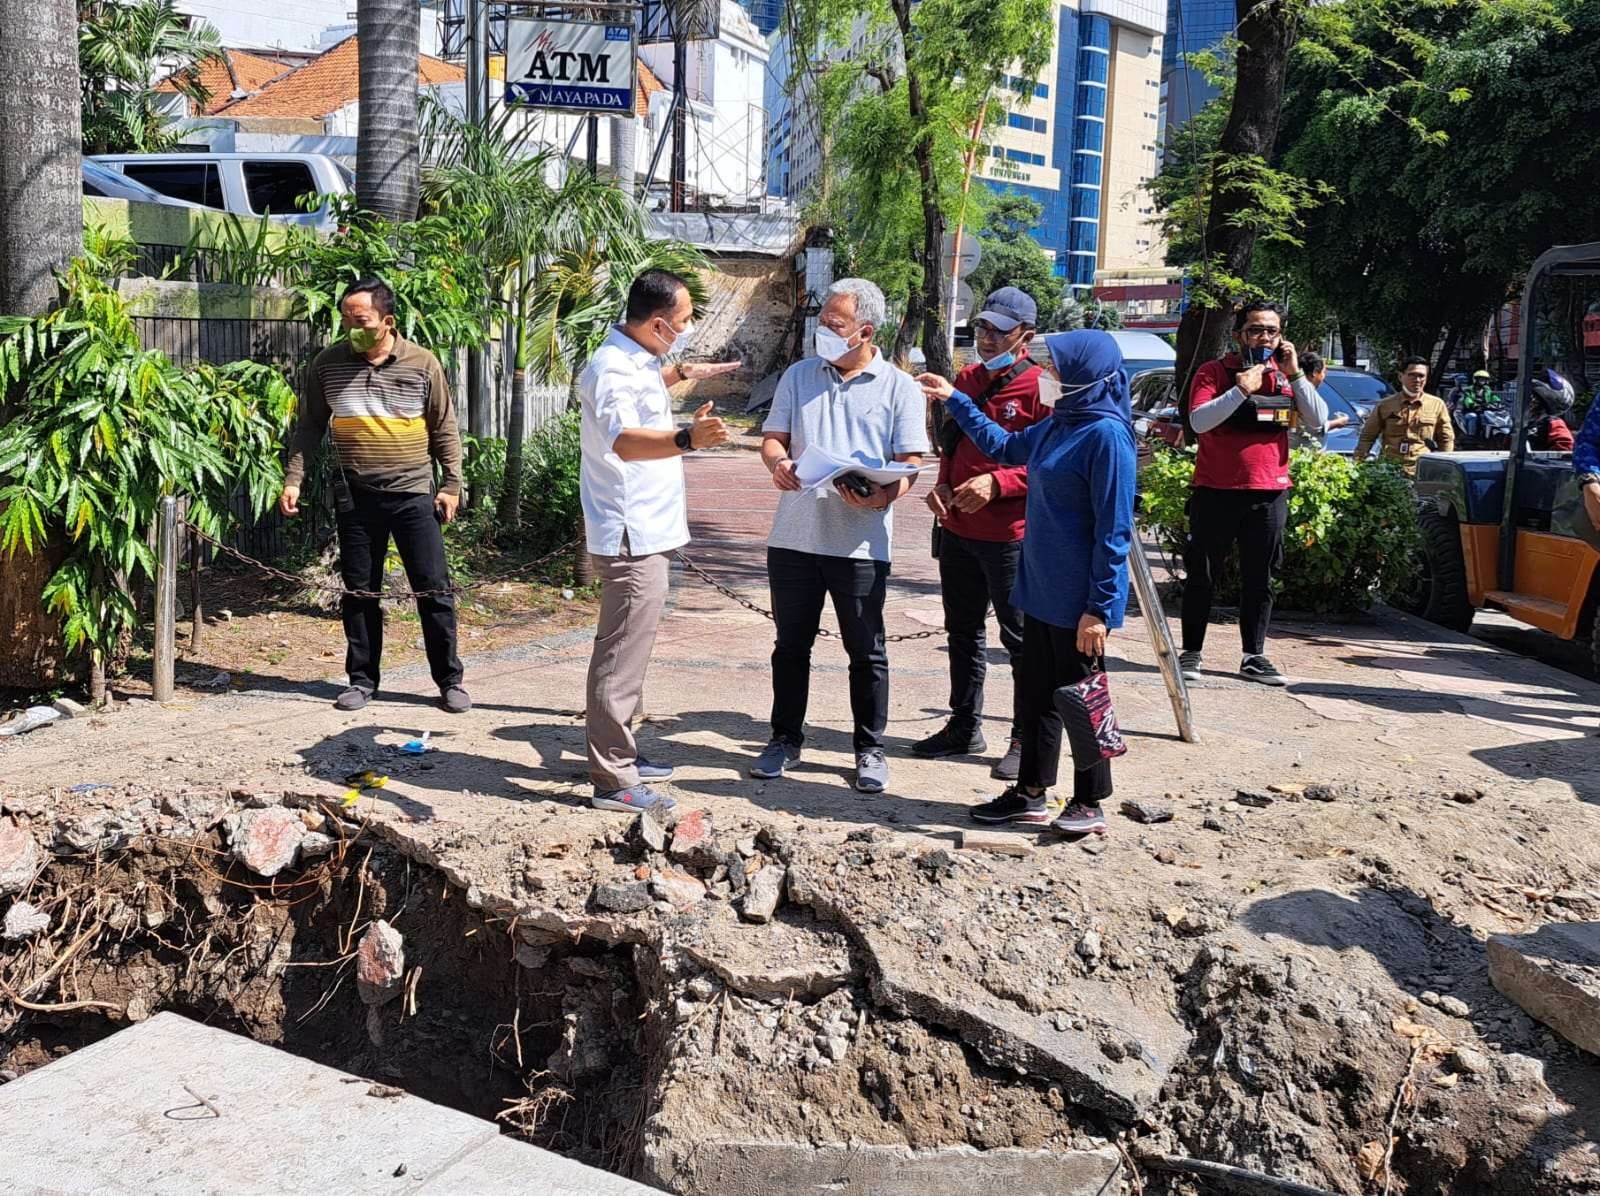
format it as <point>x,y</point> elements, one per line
<point>503,1165</point>
<point>171,1105</point>
<point>996,843</point>
<point>740,1168</point>
<point>677,887</point>
<point>1554,974</point>
<point>791,956</point>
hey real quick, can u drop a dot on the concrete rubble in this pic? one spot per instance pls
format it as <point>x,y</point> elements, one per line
<point>265,841</point>
<point>19,857</point>
<point>1554,974</point>
<point>380,963</point>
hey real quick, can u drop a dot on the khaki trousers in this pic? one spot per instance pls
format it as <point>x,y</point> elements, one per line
<point>633,593</point>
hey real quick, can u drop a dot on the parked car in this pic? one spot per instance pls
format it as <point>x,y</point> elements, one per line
<point>248,185</point>
<point>1143,350</point>
<point>1349,392</point>
<point>101,182</point>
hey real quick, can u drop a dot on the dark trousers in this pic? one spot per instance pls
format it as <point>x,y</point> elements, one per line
<point>1050,659</point>
<point>800,582</point>
<point>973,576</point>
<point>1219,519</point>
<point>363,543</point>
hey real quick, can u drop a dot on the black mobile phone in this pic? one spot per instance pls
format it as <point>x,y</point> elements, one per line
<point>856,484</point>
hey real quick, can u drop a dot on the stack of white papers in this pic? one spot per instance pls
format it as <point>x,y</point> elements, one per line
<point>818,469</point>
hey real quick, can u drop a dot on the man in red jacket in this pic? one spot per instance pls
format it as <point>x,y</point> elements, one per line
<point>1239,407</point>
<point>979,541</point>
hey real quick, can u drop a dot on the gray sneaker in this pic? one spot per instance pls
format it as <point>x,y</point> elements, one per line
<point>353,698</point>
<point>872,771</point>
<point>454,699</point>
<point>1189,665</point>
<point>775,757</point>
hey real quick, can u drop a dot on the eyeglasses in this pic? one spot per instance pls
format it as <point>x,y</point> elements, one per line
<point>1262,330</point>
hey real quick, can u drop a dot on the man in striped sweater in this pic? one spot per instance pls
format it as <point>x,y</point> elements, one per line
<point>389,408</point>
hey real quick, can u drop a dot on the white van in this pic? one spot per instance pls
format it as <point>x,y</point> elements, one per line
<point>248,185</point>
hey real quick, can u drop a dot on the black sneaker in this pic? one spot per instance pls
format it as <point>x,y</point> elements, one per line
<point>1016,806</point>
<point>947,741</point>
<point>353,698</point>
<point>1010,764</point>
<point>1262,671</point>
<point>1189,665</point>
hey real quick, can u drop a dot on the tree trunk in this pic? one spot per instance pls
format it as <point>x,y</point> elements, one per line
<point>41,179</point>
<point>1266,34</point>
<point>1349,348</point>
<point>1452,337</point>
<point>387,172</point>
<point>97,679</point>
<point>509,513</point>
<point>935,295</point>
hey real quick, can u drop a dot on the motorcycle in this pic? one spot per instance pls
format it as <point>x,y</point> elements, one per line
<point>1489,428</point>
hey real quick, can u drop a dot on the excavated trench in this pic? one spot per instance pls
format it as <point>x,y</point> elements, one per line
<point>617,1026</point>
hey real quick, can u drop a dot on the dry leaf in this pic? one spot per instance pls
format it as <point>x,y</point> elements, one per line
<point>1369,1159</point>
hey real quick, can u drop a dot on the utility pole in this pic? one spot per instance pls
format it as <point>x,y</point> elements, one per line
<point>479,419</point>
<point>680,107</point>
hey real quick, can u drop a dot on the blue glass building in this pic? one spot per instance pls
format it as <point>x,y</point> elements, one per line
<point>1192,26</point>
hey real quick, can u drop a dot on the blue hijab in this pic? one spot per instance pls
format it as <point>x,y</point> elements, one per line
<point>1092,361</point>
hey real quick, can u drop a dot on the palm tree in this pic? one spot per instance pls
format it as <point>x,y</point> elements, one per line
<point>122,50</point>
<point>561,254</point>
<point>41,228</point>
<point>387,34</point>
<point>41,177</point>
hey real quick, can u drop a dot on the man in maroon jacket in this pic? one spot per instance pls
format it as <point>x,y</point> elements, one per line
<point>979,541</point>
<point>1240,408</point>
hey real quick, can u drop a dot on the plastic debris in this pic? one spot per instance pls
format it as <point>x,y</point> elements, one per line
<point>416,747</point>
<point>88,787</point>
<point>32,719</point>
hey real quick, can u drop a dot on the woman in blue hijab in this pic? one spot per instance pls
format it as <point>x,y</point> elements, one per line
<point>1072,582</point>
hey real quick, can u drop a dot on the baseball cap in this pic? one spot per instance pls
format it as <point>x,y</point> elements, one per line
<point>1008,307</point>
<point>1484,374</point>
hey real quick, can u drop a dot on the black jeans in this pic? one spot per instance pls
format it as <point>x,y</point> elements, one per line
<point>973,576</point>
<point>363,543</point>
<point>1219,519</point>
<point>800,582</point>
<point>1050,659</point>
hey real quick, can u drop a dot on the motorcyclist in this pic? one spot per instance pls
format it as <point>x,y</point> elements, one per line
<point>1474,403</point>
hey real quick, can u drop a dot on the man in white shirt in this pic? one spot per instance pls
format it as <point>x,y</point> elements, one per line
<point>631,485</point>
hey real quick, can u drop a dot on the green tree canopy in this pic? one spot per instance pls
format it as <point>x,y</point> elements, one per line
<point>124,50</point>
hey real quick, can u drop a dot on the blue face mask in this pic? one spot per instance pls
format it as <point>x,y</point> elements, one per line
<point>1260,355</point>
<point>995,364</point>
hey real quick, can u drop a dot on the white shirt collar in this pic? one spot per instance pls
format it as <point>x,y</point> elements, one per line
<point>637,353</point>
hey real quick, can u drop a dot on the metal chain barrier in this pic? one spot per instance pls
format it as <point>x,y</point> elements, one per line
<point>283,575</point>
<point>728,592</point>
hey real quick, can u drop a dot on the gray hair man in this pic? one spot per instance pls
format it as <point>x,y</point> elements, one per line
<point>833,542</point>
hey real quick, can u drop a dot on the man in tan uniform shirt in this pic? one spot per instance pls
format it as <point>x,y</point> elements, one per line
<point>1407,420</point>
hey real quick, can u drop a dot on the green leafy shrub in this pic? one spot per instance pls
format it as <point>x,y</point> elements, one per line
<point>551,511</point>
<point>1351,538</point>
<point>95,431</point>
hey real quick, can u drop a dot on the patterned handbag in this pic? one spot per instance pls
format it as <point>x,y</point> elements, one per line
<point>1089,719</point>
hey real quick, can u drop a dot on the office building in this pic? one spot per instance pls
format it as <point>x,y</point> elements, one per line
<point>1192,26</point>
<point>1081,139</point>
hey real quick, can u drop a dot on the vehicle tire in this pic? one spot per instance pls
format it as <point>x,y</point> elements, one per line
<point>1441,592</point>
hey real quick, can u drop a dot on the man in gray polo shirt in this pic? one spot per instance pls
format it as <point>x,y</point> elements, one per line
<point>834,543</point>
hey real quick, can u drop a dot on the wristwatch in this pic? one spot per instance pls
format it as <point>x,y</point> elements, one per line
<point>684,440</point>
<point>1588,479</point>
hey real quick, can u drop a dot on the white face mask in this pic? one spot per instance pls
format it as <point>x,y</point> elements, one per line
<point>1052,392</point>
<point>680,340</point>
<point>830,345</point>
